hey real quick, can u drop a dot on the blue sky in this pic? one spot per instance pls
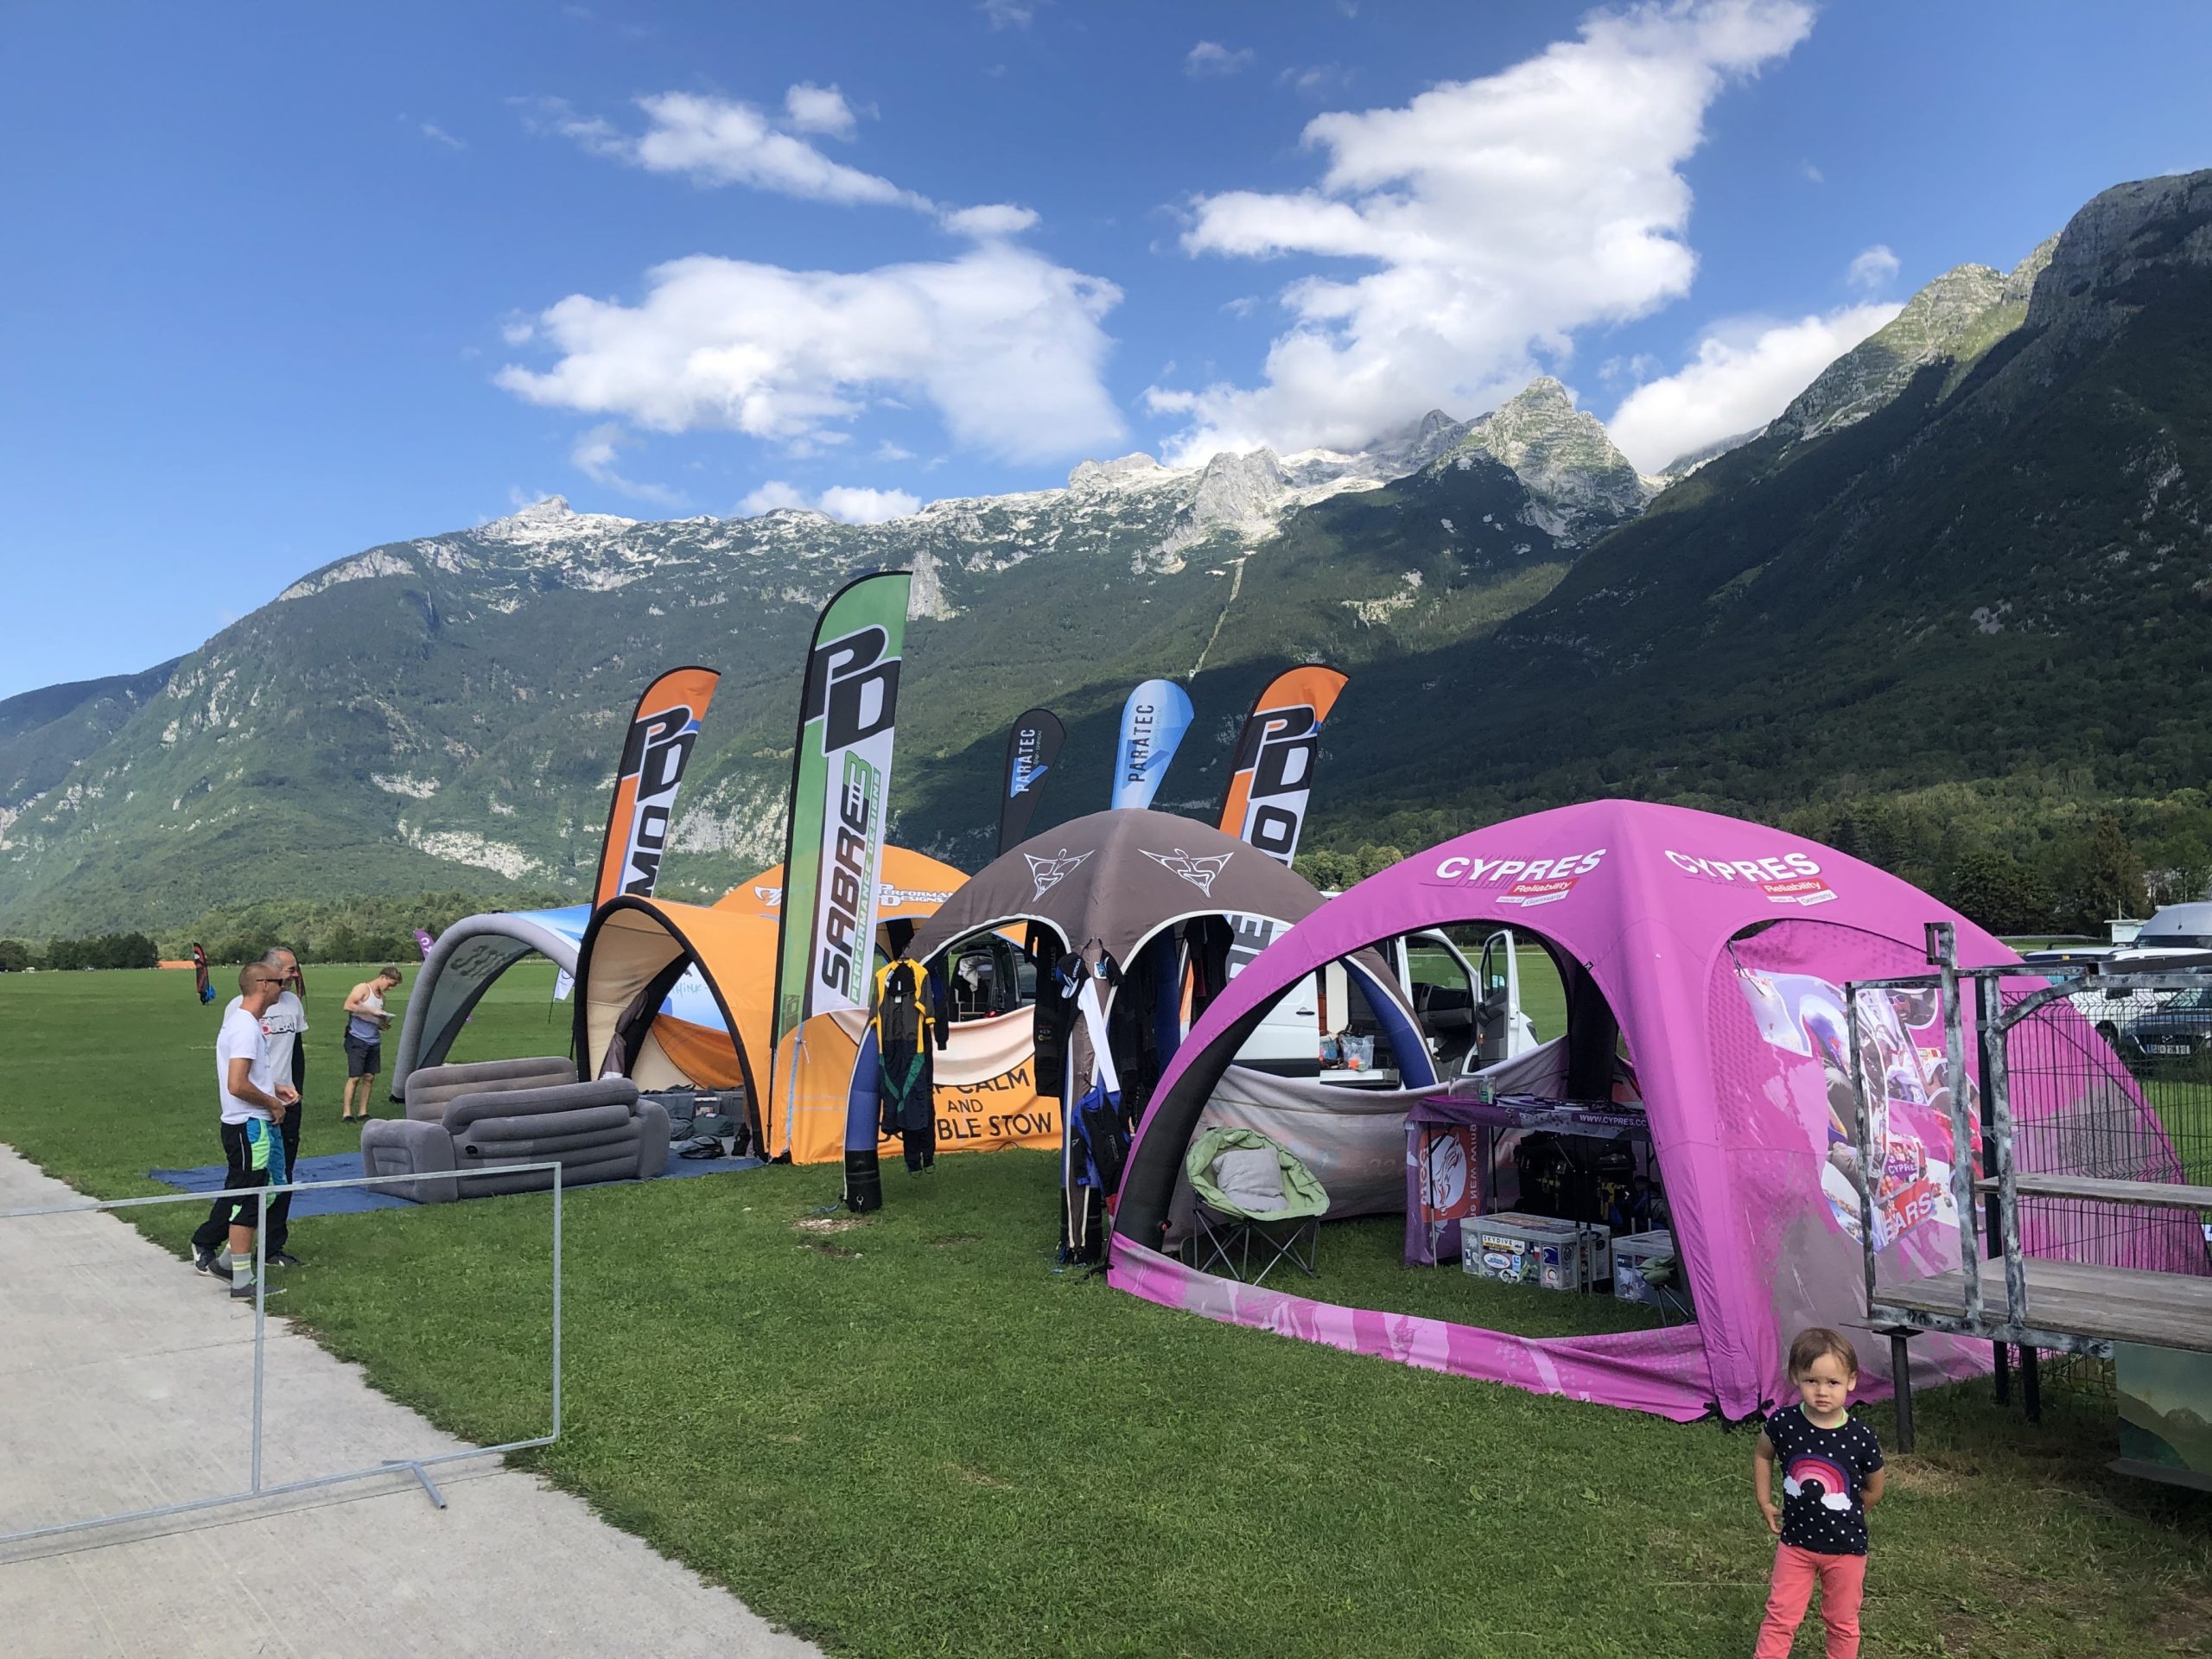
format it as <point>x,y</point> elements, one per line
<point>281,282</point>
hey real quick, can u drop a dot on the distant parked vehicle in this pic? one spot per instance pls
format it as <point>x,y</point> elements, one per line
<point>2178,939</point>
<point>2174,927</point>
<point>2174,1037</point>
<point>2106,1010</point>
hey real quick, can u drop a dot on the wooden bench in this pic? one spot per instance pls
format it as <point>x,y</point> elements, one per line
<point>2155,1194</point>
<point>2162,1310</point>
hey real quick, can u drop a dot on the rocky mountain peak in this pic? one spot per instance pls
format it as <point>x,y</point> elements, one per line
<point>1138,468</point>
<point>1580,485</point>
<point>1240,493</point>
<point>1690,459</point>
<point>1394,454</point>
<point>1955,317</point>
<point>2020,281</point>
<point>2119,237</point>
<point>1544,393</point>
<point>552,519</point>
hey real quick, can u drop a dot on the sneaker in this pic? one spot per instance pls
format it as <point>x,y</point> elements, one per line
<point>284,1259</point>
<point>245,1293</point>
<point>209,1259</point>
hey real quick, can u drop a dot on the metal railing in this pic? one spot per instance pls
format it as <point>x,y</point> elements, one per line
<point>2090,1151</point>
<point>257,1488</point>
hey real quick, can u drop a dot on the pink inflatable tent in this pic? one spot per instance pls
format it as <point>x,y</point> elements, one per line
<point>1711,950</point>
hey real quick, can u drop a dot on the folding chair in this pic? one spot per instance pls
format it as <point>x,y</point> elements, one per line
<point>1256,1206</point>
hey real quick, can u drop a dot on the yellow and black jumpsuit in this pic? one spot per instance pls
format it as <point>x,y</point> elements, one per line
<point>909,1025</point>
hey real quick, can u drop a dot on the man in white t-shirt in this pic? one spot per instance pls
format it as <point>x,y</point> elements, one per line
<point>253,1103</point>
<point>285,1023</point>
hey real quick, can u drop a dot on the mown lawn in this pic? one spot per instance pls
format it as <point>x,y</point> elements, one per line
<point>912,1436</point>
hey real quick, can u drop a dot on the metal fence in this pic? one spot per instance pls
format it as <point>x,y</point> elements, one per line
<point>2109,1076</point>
<point>2054,1073</point>
<point>257,1488</point>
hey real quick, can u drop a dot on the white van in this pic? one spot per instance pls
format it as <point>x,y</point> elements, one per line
<point>2178,936</point>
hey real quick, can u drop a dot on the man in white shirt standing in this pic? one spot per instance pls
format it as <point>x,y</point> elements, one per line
<point>253,1104</point>
<point>284,1024</point>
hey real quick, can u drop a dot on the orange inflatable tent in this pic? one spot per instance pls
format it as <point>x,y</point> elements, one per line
<point>635,949</point>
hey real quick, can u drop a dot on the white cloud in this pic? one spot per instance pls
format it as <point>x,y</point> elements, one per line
<point>774,496</point>
<point>437,134</point>
<point>889,451</point>
<point>1008,14</point>
<point>1810,174</point>
<point>1498,216</point>
<point>1873,269</point>
<point>990,220</point>
<point>1743,375</point>
<point>720,140</point>
<point>593,456</point>
<point>860,507</point>
<point>848,504</point>
<point>1006,346</point>
<point>1315,80</point>
<point>810,108</point>
<point>1213,58</point>
<point>517,330</point>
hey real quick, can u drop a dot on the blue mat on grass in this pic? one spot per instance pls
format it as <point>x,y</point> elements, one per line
<point>354,1200</point>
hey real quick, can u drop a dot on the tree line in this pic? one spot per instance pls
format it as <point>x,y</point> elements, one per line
<point>100,950</point>
<point>366,929</point>
<point>2070,880</point>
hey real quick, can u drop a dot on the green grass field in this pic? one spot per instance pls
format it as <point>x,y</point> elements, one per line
<point>909,1435</point>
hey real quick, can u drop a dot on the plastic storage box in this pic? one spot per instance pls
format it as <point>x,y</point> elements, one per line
<point>1631,1252</point>
<point>1523,1249</point>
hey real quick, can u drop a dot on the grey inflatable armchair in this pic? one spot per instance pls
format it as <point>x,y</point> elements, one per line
<point>481,1117</point>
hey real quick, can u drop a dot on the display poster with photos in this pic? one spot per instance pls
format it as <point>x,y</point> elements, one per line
<point>1901,1051</point>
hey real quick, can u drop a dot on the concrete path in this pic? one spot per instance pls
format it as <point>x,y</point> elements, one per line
<point>125,1381</point>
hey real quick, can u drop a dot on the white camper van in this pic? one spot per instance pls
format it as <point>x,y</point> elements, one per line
<point>1471,1014</point>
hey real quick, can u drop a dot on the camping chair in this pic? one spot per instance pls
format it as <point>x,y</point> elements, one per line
<point>1256,1206</point>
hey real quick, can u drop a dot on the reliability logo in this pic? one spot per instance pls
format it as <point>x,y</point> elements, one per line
<point>1047,872</point>
<point>1806,890</point>
<point>1198,871</point>
<point>1525,893</point>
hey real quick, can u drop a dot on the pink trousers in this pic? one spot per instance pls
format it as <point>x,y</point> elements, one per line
<point>1842,1580</point>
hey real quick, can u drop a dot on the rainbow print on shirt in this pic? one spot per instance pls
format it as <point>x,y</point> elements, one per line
<point>1835,1485</point>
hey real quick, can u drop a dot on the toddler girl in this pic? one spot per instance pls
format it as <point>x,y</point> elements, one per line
<point>1832,1475</point>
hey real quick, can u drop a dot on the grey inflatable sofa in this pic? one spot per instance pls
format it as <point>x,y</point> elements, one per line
<point>478,1118</point>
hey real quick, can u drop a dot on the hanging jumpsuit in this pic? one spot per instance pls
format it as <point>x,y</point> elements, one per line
<point>908,1026</point>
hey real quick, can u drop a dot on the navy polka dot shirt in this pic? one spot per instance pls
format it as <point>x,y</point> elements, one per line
<point>1823,1471</point>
